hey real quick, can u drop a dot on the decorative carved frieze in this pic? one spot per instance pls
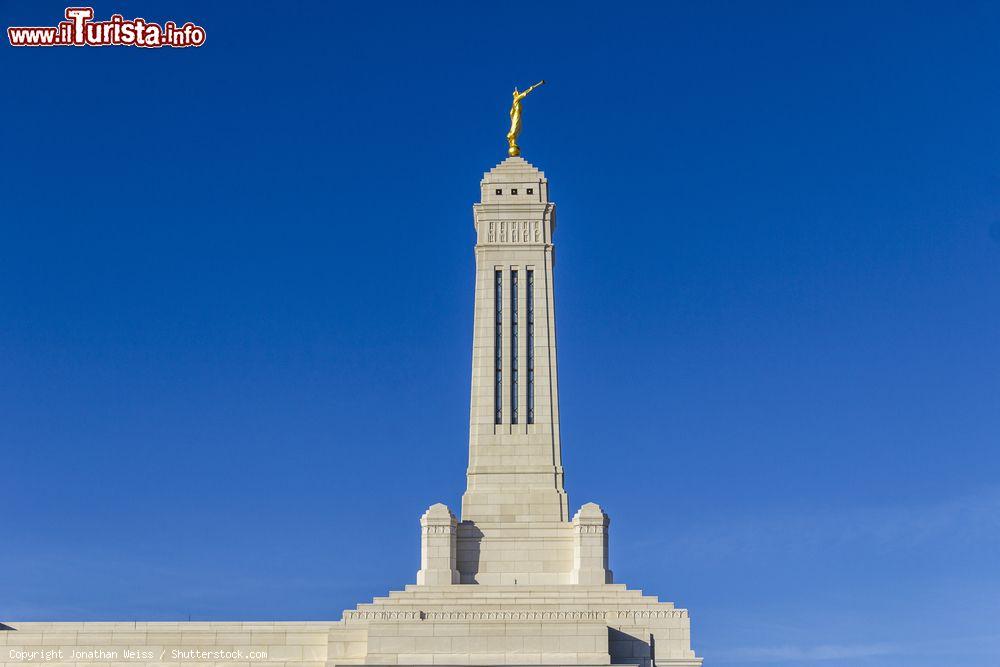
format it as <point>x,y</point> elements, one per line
<point>514,231</point>
<point>582,615</point>
<point>584,529</point>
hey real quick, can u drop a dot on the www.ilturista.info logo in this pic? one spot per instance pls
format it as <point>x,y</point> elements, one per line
<point>79,29</point>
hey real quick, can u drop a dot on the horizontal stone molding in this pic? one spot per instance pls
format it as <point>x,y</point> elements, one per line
<point>583,615</point>
<point>383,616</point>
<point>591,529</point>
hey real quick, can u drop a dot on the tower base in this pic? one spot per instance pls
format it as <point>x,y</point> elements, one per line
<point>572,625</point>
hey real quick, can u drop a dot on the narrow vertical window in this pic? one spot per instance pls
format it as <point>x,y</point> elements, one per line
<point>513,347</point>
<point>498,349</point>
<point>531,346</point>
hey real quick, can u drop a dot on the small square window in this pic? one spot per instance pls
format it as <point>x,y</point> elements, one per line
<point>530,191</point>
<point>499,191</point>
<point>513,191</point>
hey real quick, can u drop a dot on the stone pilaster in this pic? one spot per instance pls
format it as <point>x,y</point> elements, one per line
<point>590,546</point>
<point>438,547</point>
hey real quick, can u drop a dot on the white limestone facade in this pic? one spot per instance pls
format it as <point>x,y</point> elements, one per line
<point>514,527</point>
<point>516,580</point>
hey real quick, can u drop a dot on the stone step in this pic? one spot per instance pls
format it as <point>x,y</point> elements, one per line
<point>524,600</point>
<point>466,595</point>
<point>514,595</point>
<point>528,588</point>
<point>439,602</point>
<point>618,595</point>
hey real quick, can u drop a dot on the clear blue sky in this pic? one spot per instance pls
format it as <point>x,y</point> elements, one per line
<point>236,290</point>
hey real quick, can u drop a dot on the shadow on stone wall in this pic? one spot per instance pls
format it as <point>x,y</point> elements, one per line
<point>470,549</point>
<point>626,649</point>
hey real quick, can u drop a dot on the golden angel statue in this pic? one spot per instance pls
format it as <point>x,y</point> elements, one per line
<point>515,119</point>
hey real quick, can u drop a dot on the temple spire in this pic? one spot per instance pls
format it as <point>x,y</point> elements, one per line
<point>515,461</point>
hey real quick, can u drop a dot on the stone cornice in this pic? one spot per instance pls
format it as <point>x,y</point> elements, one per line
<point>512,615</point>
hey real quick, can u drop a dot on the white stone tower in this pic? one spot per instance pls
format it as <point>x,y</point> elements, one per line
<point>514,511</point>
<point>516,581</point>
<point>515,465</point>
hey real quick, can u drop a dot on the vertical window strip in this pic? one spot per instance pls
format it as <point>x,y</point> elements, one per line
<point>513,347</point>
<point>498,349</point>
<point>531,346</point>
